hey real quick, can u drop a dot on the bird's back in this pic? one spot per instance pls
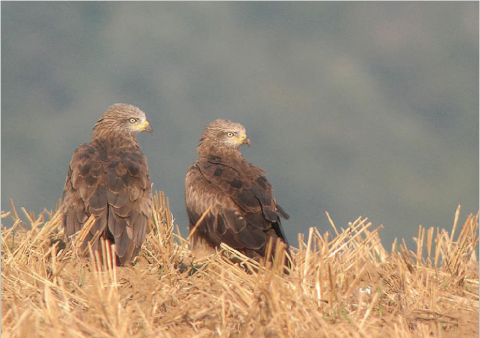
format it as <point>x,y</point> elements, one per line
<point>243,212</point>
<point>108,178</point>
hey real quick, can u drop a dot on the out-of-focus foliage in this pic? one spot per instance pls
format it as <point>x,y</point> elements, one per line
<point>353,108</point>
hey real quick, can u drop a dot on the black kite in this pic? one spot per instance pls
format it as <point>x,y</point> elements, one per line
<point>243,212</point>
<point>108,178</point>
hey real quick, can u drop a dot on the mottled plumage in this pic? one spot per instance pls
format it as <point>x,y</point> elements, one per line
<point>108,178</point>
<point>243,212</point>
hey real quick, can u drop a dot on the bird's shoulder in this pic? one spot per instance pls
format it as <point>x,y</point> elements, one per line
<point>102,163</point>
<point>107,152</point>
<point>228,167</point>
<point>218,176</point>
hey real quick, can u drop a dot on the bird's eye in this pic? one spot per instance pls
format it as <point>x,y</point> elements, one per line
<point>132,120</point>
<point>230,134</point>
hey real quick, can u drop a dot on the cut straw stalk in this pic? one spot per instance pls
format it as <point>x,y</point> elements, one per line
<point>54,294</point>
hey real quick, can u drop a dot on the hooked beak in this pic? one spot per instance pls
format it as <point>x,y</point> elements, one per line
<point>145,126</point>
<point>245,140</point>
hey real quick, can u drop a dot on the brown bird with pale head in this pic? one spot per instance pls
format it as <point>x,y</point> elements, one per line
<point>108,178</point>
<point>243,212</point>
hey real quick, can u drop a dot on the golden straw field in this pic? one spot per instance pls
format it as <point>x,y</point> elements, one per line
<point>344,283</point>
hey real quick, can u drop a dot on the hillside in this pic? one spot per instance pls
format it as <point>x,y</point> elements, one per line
<point>355,108</point>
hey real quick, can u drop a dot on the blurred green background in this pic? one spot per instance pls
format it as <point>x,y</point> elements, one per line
<point>355,108</point>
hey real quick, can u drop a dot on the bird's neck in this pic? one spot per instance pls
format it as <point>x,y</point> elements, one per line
<point>206,153</point>
<point>114,138</point>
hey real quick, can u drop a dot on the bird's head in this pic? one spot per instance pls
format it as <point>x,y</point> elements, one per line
<point>123,119</point>
<point>225,134</point>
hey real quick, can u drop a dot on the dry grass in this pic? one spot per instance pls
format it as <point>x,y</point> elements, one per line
<point>345,285</point>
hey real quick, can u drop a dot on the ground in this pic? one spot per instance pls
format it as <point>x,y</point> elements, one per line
<point>342,284</point>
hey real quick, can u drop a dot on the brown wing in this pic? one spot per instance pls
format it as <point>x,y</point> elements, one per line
<point>243,213</point>
<point>111,183</point>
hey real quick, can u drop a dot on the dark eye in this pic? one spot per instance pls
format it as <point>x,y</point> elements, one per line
<point>230,134</point>
<point>132,120</point>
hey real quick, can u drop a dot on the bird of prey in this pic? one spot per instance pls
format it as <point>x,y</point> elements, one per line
<point>108,178</point>
<point>242,210</point>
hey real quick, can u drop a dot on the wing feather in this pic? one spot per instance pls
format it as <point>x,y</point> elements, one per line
<point>116,189</point>
<point>242,206</point>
